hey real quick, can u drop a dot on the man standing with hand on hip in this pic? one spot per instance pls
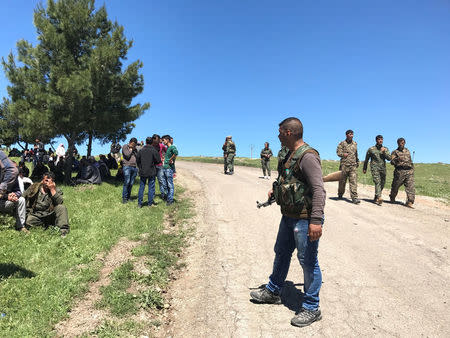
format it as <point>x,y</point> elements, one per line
<point>300,193</point>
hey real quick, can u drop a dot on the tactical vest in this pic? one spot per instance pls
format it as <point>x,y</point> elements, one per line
<point>291,191</point>
<point>231,148</point>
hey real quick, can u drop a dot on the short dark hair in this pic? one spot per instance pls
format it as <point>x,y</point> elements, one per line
<point>378,137</point>
<point>149,140</point>
<point>294,125</point>
<point>133,139</point>
<point>400,140</point>
<point>349,132</point>
<point>156,137</point>
<point>49,174</point>
<point>167,137</point>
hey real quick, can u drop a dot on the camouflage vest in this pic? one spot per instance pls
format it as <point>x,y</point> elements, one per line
<point>231,147</point>
<point>291,190</point>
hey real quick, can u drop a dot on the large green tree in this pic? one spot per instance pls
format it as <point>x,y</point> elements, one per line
<point>73,82</point>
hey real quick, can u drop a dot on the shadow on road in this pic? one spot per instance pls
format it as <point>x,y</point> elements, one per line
<point>291,297</point>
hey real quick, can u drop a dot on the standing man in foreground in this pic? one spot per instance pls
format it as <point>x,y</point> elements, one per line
<point>347,150</point>
<point>378,154</point>
<point>266,154</point>
<point>300,193</point>
<point>129,168</point>
<point>403,173</point>
<point>229,151</point>
<point>168,168</point>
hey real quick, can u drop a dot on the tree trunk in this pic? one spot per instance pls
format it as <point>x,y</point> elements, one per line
<point>89,146</point>
<point>69,161</point>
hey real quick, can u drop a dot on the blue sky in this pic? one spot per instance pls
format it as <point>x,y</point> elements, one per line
<point>214,68</point>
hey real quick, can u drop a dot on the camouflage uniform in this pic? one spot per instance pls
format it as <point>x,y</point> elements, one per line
<point>403,174</point>
<point>265,162</point>
<point>377,167</point>
<point>229,151</point>
<point>348,167</point>
<point>44,209</point>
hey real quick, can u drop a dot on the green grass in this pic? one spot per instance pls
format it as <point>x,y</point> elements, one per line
<point>431,179</point>
<point>42,274</point>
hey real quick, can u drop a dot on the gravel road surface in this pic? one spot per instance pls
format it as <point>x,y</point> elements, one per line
<point>386,269</point>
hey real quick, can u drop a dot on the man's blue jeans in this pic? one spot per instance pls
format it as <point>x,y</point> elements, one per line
<point>129,174</point>
<point>168,184</point>
<point>160,177</point>
<point>293,233</point>
<point>151,189</point>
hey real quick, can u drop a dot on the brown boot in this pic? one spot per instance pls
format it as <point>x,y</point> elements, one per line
<point>379,201</point>
<point>409,205</point>
<point>392,199</point>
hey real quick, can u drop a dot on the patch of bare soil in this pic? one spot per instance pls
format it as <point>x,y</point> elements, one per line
<point>84,317</point>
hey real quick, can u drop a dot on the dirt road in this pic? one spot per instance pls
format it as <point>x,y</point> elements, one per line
<point>386,269</point>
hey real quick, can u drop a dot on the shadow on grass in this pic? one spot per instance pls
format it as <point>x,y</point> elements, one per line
<point>12,270</point>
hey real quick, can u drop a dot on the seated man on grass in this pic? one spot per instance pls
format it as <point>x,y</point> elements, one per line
<point>45,205</point>
<point>11,200</point>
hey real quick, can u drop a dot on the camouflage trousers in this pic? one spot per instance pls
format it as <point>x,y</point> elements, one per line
<point>228,162</point>
<point>58,217</point>
<point>350,173</point>
<point>403,177</point>
<point>265,164</point>
<point>379,179</point>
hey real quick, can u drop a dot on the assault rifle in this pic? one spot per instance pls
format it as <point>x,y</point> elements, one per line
<point>270,200</point>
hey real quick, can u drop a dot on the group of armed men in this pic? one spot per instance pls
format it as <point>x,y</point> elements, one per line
<point>347,150</point>
<point>377,155</point>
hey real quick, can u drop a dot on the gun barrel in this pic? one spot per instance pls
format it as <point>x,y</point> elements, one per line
<point>336,176</point>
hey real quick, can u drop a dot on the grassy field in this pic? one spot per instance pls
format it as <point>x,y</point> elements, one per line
<point>42,274</point>
<point>432,179</point>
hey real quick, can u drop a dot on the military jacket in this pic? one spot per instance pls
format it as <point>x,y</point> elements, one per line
<point>401,159</point>
<point>377,158</point>
<point>229,148</point>
<point>40,202</point>
<point>266,152</point>
<point>352,150</point>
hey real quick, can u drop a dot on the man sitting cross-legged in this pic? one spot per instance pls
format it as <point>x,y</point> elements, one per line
<point>45,205</point>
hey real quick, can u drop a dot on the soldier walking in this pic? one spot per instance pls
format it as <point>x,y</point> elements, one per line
<point>229,151</point>
<point>403,173</point>
<point>266,154</point>
<point>348,152</point>
<point>378,154</point>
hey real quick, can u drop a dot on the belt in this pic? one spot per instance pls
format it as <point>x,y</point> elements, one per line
<point>403,168</point>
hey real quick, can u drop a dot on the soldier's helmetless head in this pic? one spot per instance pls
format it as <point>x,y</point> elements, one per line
<point>379,139</point>
<point>401,142</point>
<point>290,129</point>
<point>266,144</point>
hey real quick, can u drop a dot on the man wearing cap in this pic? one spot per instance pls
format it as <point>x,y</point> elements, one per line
<point>347,150</point>
<point>229,151</point>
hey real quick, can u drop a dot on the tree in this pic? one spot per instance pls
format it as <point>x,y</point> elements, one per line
<point>72,82</point>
